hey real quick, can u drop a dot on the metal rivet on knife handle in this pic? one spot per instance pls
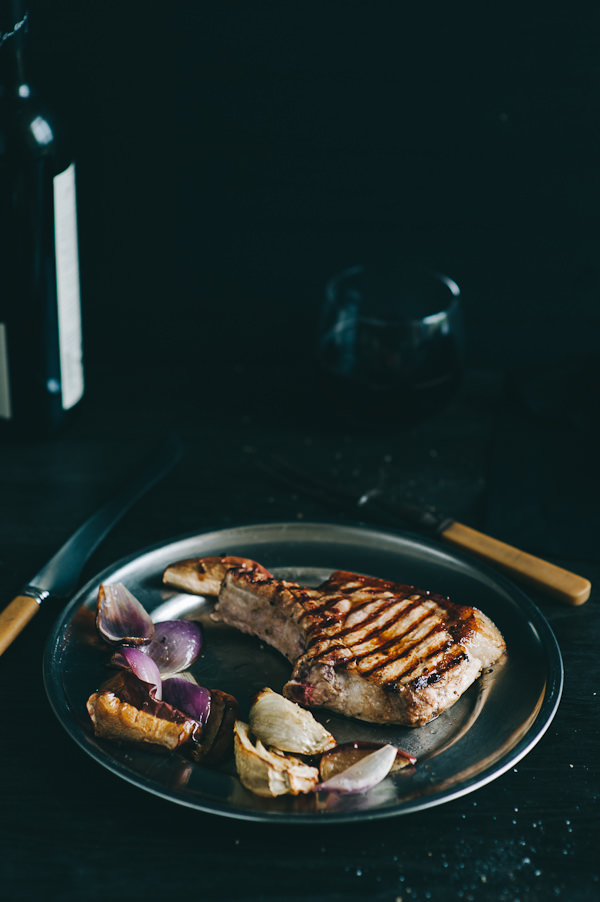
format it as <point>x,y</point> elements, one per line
<point>559,583</point>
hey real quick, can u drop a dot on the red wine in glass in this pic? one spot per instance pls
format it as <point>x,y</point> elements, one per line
<point>390,345</point>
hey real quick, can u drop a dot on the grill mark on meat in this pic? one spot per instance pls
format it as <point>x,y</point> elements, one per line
<point>380,651</point>
<point>360,615</point>
<point>326,608</point>
<point>392,673</point>
<point>399,661</point>
<point>375,622</point>
<point>444,666</point>
<point>392,635</point>
<point>401,650</point>
<point>393,661</point>
<point>395,620</point>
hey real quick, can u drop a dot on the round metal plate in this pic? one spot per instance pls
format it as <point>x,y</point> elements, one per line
<point>495,723</point>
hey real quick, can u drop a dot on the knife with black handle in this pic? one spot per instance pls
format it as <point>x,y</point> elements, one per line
<point>60,576</point>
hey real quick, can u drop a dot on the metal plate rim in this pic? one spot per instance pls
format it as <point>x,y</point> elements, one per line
<point>349,532</point>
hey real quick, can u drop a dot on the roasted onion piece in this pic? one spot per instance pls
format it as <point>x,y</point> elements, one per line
<point>363,774</point>
<point>346,754</point>
<point>141,665</point>
<point>266,772</point>
<point>285,726</point>
<point>138,715</point>
<point>187,697</point>
<point>176,644</point>
<point>120,618</point>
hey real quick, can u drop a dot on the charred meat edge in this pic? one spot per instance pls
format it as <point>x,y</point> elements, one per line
<point>364,647</point>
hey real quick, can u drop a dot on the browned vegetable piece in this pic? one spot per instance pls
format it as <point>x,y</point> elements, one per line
<point>267,772</point>
<point>203,576</point>
<point>344,756</point>
<point>216,738</point>
<point>115,719</point>
<point>124,709</point>
<point>285,726</point>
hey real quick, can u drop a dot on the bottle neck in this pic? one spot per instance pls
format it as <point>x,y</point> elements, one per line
<point>13,32</point>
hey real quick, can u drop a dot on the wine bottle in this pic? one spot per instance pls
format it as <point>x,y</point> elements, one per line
<point>41,353</point>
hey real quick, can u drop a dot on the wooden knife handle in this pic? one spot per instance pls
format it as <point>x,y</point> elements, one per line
<point>565,586</point>
<point>15,617</point>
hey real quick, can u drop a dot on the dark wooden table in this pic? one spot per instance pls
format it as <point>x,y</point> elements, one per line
<point>222,178</point>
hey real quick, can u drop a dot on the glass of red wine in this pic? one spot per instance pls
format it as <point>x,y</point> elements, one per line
<point>390,344</point>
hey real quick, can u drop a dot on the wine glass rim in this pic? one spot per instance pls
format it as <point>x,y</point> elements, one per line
<point>432,318</point>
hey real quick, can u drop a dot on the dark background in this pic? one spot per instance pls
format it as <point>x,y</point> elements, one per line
<point>249,150</point>
<point>230,158</point>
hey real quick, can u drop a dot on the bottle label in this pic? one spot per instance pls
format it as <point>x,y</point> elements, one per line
<point>67,287</point>
<point>5,405</point>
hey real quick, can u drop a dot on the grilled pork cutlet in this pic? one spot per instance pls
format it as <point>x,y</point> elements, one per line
<point>379,651</point>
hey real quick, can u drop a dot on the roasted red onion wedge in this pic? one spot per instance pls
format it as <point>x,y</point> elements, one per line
<point>345,755</point>
<point>142,666</point>
<point>120,618</point>
<point>125,709</point>
<point>129,688</point>
<point>176,645</point>
<point>189,698</point>
<point>363,774</point>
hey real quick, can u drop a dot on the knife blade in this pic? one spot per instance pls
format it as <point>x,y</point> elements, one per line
<point>376,507</point>
<point>59,577</point>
